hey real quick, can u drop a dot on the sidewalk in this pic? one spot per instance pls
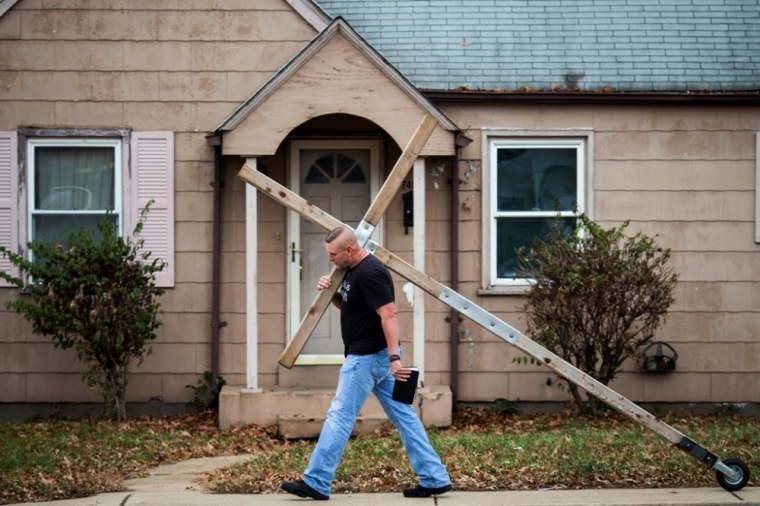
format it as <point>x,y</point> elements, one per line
<point>172,485</point>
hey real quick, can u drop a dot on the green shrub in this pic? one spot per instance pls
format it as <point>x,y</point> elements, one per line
<point>597,297</point>
<point>96,295</point>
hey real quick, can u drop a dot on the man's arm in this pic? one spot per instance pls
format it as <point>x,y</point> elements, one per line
<point>325,282</point>
<point>390,329</point>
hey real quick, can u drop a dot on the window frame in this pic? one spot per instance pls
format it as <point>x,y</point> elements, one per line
<point>62,135</point>
<point>33,143</point>
<point>579,138</point>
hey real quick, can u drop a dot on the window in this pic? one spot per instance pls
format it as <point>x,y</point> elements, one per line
<point>65,179</point>
<point>72,183</point>
<point>530,181</point>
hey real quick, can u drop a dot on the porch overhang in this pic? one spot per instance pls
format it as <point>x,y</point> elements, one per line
<point>338,72</point>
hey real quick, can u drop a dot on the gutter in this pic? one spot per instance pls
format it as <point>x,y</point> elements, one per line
<point>216,142</point>
<point>583,97</point>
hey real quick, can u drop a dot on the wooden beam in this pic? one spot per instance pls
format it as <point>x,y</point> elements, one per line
<point>311,319</point>
<point>400,170</point>
<point>287,198</point>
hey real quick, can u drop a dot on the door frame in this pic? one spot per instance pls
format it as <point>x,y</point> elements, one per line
<point>293,305</point>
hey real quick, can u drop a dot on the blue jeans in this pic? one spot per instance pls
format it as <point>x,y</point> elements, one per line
<point>360,375</point>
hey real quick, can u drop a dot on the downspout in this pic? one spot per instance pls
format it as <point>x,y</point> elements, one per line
<point>216,142</point>
<point>460,142</point>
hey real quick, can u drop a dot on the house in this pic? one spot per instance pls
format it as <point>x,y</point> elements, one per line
<point>635,110</point>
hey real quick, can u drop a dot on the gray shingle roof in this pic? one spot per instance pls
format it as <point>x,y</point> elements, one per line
<point>624,45</point>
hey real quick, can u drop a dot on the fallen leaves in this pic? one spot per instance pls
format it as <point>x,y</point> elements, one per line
<point>483,450</point>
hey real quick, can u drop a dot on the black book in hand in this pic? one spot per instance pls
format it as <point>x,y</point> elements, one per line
<point>404,391</point>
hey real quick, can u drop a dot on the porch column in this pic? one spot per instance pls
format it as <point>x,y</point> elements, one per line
<point>419,263</point>
<point>251,277</point>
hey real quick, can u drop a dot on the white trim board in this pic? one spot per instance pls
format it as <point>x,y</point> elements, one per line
<point>311,13</point>
<point>5,6</point>
<point>418,173</point>
<point>251,277</point>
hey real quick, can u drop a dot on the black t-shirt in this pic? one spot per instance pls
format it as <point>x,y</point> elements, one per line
<point>365,288</point>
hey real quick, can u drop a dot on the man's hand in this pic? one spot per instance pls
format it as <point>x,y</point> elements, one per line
<point>324,282</point>
<point>398,371</point>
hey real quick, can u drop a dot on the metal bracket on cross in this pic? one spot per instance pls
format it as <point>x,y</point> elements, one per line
<point>732,473</point>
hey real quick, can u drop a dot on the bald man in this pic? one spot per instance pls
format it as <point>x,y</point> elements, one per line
<point>370,332</point>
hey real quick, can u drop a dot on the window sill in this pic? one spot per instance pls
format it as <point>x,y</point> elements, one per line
<point>504,290</point>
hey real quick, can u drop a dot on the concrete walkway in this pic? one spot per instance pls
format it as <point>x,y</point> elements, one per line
<point>174,485</point>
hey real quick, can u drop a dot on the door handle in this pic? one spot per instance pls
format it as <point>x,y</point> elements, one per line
<point>293,251</point>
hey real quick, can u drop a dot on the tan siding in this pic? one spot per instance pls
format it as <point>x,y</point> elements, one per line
<point>144,387</point>
<point>675,145</point>
<point>483,386</point>
<point>232,357</point>
<point>686,387</point>
<point>62,25</point>
<point>533,386</point>
<point>32,55</point>
<point>233,236</point>
<point>193,176</point>
<point>191,146</point>
<point>11,85</point>
<point>717,266</point>
<point>663,118</point>
<point>674,175</point>
<point>73,86</point>
<point>58,388</point>
<point>193,236</point>
<point>15,328</point>
<point>192,86</point>
<point>238,84</point>
<point>675,206</point>
<point>735,387</point>
<point>272,329</point>
<point>233,299</point>
<point>167,5</point>
<point>14,387</point>
<point>232,26</point>
<point>131,86</point>
<point>10,25</point>
<point>173,386</point>
<point>192,267</point>
<point>271,267</point>
<point>100,56</point>
<point>688,236</point>
<point>193,206</point>
<point>88,114</point>
<point>185,327</point>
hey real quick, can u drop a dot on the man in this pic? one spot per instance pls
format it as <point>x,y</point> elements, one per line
<point>373,362</point>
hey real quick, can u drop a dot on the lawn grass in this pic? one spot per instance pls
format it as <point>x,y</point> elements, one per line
<point>483,450</point>
<point>488,451</point>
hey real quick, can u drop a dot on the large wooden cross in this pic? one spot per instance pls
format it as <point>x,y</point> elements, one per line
<point>451,298</point>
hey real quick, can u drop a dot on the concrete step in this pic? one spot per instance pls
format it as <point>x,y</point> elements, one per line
<point>240,406</point>
<point>304,426</point>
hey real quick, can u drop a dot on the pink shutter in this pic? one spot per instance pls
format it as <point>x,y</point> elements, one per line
<point>8,200</point>
<point>152,178</point>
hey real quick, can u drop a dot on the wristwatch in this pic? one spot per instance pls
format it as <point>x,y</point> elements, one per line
<point>393,358</point>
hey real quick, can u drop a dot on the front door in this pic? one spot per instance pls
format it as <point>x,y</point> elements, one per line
<point>341,178</point>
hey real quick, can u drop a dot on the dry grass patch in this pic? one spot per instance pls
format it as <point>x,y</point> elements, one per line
<point>483,450</point>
